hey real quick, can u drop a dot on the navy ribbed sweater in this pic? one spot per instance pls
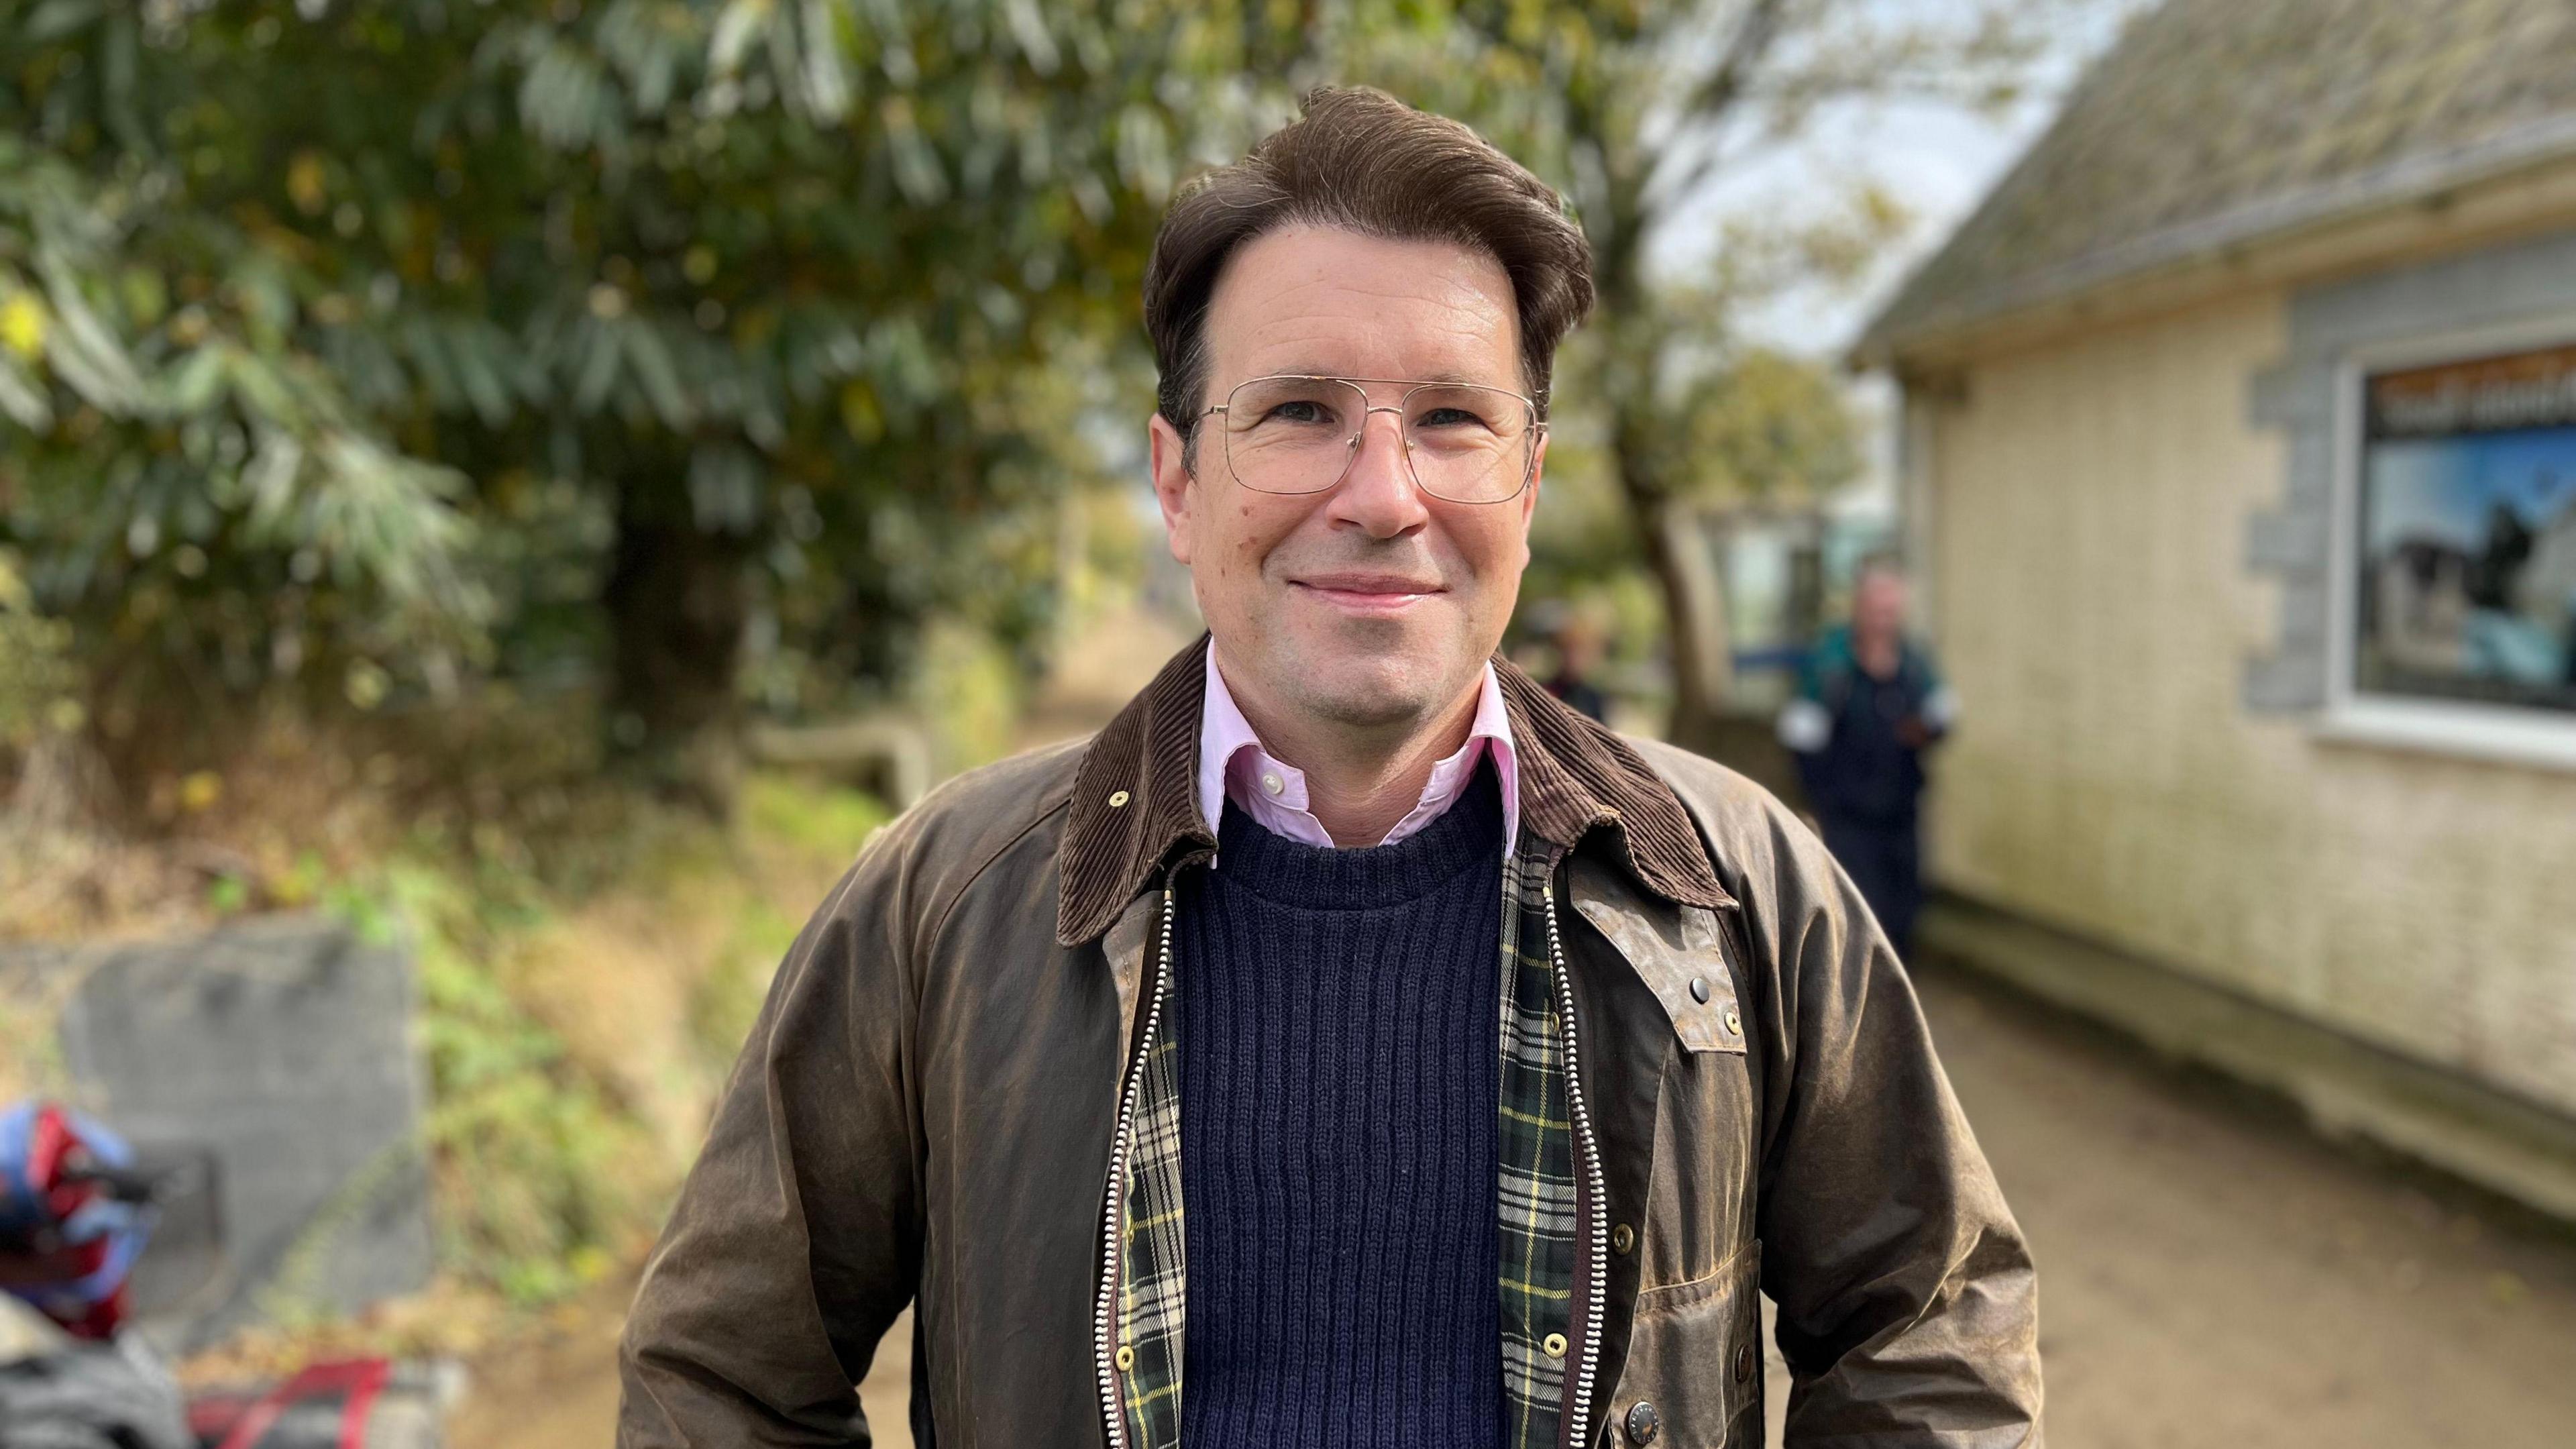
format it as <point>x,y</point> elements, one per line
<point>1338,1096</point>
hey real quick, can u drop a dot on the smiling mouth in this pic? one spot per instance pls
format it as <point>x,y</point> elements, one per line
<point>1365,595</point>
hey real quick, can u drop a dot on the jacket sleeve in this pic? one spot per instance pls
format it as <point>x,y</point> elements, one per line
<point>796,1238</point>
<point>1907,1301</point>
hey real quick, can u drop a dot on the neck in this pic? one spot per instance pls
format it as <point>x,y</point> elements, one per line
<point>1360,779</point>
<point>1876,652</point>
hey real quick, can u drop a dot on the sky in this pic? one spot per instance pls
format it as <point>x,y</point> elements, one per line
<point>1937,160</point>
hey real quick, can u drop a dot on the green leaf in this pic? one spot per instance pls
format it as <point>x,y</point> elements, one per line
<point>56,19</point>
<point>601,349</point>
<point>661,380</point>
<point>22,400</point>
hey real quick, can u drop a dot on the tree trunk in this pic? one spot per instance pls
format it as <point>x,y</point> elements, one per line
<point>1695,613</point>
<point>677,603</point>
<point>1676,549</point>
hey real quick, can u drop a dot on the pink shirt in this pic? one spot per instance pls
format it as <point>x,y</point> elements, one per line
<point>1234,766</point>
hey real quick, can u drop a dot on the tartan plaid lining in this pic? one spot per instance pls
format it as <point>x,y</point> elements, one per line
<point>1534,1194</point>
<point>1153,1267</point>
<point>1534,1190</point>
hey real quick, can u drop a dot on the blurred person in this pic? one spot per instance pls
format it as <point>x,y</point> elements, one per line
<point>1581,644</point>
<point>1350,1043</point>
<point>1869,704</point>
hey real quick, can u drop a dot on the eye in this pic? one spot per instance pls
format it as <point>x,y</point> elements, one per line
<point>1298,410</point>
<point>1451,417</point>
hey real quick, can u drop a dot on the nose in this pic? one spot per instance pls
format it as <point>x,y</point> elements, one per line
<point>1378,493</point>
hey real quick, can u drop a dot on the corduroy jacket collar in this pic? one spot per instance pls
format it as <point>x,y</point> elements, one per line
<point>1134,797</point>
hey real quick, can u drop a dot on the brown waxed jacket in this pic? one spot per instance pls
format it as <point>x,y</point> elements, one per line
<point>924,1115</point>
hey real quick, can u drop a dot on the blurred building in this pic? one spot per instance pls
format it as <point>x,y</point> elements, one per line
<point>2238,466</point>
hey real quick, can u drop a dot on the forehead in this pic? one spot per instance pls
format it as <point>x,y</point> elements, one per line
<point>1325,300</point>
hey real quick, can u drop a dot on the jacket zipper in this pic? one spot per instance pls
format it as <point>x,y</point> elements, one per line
<point>1114,1238</point>
<point>1588,1155</point>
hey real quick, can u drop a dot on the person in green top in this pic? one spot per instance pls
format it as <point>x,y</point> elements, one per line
<point>1870,704</point>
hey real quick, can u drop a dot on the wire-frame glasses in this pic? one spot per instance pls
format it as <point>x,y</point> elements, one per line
<point>1296,433</point>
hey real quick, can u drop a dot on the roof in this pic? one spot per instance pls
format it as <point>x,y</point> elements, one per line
<point>2216,122</point>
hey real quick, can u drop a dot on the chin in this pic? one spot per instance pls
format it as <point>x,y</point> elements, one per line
<point>1370,693</point>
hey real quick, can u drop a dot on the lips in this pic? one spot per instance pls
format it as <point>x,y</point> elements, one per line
<point>1365,593</point>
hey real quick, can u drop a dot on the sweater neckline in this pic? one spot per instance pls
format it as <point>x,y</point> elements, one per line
<point>1289,872</point>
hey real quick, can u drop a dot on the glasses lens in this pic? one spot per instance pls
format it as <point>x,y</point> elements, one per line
<point>1469,444</point>
<point>1291,434</point>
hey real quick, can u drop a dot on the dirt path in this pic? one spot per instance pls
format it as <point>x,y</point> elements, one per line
<point>2208,1277</point>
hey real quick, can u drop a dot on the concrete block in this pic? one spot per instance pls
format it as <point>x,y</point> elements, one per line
<point>285,1047</point>
<point>2285,684</point>
<point>2290,540</point>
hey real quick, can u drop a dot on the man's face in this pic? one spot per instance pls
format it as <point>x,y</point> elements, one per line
<point>1878,606</point>
<point>1372,604</point>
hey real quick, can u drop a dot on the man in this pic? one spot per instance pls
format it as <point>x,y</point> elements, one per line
<point>1580,646</point>
<point>1869,704</point>
<point>1350,1044</point>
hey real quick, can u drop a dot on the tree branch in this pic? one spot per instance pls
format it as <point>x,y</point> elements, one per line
<point>1717,94</point>
<point>1722,87</point>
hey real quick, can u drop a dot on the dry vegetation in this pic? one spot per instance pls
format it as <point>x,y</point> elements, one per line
<point>587,961</point>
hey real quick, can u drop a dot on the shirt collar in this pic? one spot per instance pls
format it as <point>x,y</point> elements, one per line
<point>1234,764</point>
<point>1134,803</point>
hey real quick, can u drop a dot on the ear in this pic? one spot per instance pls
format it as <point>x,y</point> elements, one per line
<point>1172,483</point>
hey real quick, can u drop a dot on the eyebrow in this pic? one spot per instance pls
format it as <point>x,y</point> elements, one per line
<point>1444,375</point>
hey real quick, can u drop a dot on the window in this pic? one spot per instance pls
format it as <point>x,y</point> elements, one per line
<point>2464,585</point>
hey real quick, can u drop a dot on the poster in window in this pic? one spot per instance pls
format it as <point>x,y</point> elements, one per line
<point>2468,532</point>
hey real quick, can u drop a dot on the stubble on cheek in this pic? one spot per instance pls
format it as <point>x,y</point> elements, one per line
<point>1242,570</point>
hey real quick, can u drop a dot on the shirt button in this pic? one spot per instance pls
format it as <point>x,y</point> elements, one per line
<point>1622,1238</point>
<point>1273,784</point>
<point>1554,1347</point>
<point>1643,1423</point>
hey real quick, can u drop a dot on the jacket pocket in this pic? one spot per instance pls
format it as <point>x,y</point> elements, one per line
<point>1694,1368</point>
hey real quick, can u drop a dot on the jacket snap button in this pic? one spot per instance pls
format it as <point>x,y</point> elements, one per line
<point>1734,1025</point>
<point>1643,1423</point>
<point>1699,990</point>
<point>1118,799</point>
<point>1743,1362</point>
<point>1126,1358</point>
<point>1622,1238</point>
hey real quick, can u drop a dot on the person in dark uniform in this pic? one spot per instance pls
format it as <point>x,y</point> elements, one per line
<point>1579,647</point>
<point>1869,704</point>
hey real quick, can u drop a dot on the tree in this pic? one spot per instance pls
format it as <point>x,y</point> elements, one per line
<point>181,484</point>
<point>782,287</point>
<point>1639,108</point>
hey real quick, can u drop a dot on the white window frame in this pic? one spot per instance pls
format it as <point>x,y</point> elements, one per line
<point>2499,732</point>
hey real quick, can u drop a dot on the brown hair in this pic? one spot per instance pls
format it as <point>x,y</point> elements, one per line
<point>1361,160</point>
